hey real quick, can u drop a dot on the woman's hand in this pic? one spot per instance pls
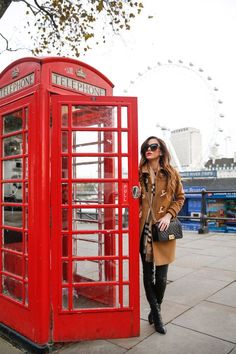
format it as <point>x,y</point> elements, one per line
<point>164,222</point>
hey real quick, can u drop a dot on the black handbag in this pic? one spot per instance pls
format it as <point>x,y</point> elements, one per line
<point>173,232</point>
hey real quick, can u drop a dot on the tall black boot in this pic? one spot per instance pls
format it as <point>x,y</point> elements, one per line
<point>157,319</point>
<point>160,287</point>
<point>149,286</point>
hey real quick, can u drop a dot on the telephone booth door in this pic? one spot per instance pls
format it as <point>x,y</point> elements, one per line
<point>95,237</point>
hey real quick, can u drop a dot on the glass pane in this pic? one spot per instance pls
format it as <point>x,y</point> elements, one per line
<point>12,240</point>
<point>64,141</point>
<point>64,197</point>
<point>65,299</point>
<point>96,296</point>
<point>12,192</point>
<point>12,169</point>
<point>12,145</point>
<point>95,219</point>
<point>12,263</point>
<point>125,218</point>
<point>95,193</point>
<point>12,288</point>
<point>64,246</point>
<point>12,216</point>
<point>125,269</point>
<point>124,142</point>
<point>65,221</point>
<point>124,117</point>
<point>94,142</point>
<point>94,167</point>
<point>93,245</point>
<point>64,116</point>
<point>124,167</point>
<point>125,242</point>
<point>94,116</point>
<point>65,272</point>
<point>99,270</point>
<point>126,295</point>
<point>12,122</point>
<point>64,172</point>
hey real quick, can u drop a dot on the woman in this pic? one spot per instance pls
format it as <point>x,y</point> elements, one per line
<point>161,184</point>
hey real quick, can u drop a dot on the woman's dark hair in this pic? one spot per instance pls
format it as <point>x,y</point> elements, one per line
<point>164,160</point>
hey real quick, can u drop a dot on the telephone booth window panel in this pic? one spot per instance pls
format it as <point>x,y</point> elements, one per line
<point>94,270</point>
<point>94,219</point>
<point>94,182</point>
<point>94,116</point>
<point>94,167</point>
<point>95,297</point>
<point>94,142</point>
<point>92,244</point>
<point>94,193</point>
<point>14,207</point>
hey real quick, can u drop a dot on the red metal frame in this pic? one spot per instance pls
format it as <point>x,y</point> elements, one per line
<point>116,319</point>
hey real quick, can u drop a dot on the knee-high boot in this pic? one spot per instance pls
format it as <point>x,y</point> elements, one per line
<point>150,290</point>
<point>160,287</point>
<point>155,316</point>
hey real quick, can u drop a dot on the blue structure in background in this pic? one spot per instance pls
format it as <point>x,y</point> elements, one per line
<point>217,205</point>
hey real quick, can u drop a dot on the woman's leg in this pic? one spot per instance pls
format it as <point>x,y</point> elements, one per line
<point>160,281</point>
<point>150,291</point>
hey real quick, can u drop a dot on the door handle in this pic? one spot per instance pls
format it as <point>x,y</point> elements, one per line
<point>136,192</point>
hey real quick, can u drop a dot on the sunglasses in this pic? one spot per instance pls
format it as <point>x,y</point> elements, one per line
<point>153,147</point>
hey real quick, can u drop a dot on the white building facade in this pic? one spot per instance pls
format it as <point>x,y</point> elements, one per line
<point>187,143</point>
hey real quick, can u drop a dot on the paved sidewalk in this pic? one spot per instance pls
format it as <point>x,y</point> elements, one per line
<point>199,306</point>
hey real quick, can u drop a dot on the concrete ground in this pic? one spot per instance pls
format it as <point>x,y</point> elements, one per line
<point>199,306</point>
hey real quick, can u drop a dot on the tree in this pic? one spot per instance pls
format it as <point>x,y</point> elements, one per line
<point>69,25</point>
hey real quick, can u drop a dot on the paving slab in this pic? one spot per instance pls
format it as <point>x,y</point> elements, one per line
<point>210,318</point>
<point>190,290</point>
<point>218,274</point>
<point>92,347</point>
<point>145,331</point>
<point>8,348</point>
<point>181,341</point>
<point>194,260</point>
<point>234,351</point>
<point>177,272</point>
<point>226,263</point>
<point>226,296</point>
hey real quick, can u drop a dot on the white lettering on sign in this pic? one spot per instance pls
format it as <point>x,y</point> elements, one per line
<point>17,85</point>
<point>77,85</point>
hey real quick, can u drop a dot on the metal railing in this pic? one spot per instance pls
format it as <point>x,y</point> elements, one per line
<point>204,218</point>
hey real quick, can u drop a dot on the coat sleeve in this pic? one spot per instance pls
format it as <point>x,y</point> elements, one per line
<point>178,200</point>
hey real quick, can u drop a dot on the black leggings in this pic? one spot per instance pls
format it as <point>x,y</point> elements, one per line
<point>154,278</point>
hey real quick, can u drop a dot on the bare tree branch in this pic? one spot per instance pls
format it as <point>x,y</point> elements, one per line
<point>8,48</point>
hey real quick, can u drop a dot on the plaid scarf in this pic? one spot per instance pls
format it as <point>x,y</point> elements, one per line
<point>147,239</point>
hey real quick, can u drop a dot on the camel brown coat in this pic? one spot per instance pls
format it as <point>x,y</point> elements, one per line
<point>163,202</point>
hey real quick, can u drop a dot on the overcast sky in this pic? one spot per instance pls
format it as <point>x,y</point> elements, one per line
<point>162,58</point>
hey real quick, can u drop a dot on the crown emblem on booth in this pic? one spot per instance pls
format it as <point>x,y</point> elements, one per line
<point>15,72</point>
<point>80,73</point>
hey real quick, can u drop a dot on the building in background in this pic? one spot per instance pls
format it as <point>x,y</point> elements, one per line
<point>187,143</point>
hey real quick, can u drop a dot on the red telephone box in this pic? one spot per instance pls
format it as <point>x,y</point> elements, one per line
<point>69,263</point>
